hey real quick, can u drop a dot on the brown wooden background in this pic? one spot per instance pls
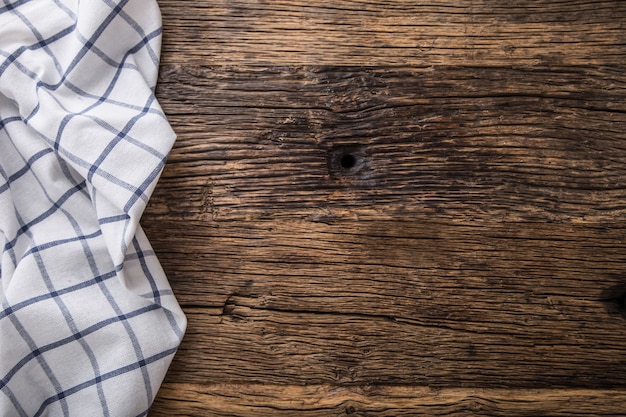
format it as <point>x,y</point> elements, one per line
<point>386,208</point>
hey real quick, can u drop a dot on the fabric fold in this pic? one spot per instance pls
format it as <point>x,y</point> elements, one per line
<point>88,322</point>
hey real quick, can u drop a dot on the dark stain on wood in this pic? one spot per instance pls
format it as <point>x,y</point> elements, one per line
<point>615,299</point>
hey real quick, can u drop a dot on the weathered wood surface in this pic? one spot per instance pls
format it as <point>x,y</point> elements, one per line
<point>395,32</point>
<point>395,208</point>
<point>323,401</point>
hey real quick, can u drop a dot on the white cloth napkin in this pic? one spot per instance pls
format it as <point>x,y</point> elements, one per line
<point>88,322</point>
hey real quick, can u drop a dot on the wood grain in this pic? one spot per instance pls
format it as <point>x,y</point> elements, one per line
<point>395,208</point>
<point>327,400</point>
<point>459,143</point>
<point>395,32</point>
<point>397,303</point>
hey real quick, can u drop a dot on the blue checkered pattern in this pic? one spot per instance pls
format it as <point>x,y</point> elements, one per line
<point>88,322</point>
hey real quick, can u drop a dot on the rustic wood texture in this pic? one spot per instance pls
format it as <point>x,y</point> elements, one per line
<point>395,207</point>
<point>323,401</point>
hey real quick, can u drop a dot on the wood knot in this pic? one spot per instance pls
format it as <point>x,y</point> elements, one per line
<point>346,160</point>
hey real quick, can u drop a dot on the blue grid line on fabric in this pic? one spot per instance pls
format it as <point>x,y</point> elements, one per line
<point>144,111</point>
<point>172,319</point>
<point>40,359</point>
<point>145,41</point>
<point>24,169</point>
<point>113,219</point>
<point>12,58</point>
<point>70,321</point>
<point>107,175</point>
<point>71,86</point>
<point>39,38</point>
<point>9,310</point>
<point>80,334</point>
<point>11,6</point>
<point>135,256</point>
<point>67,10</point>
<point>144,267</point>
<point>90,42</point>
<point>120,371</point>
<point>73,329</point>
<point>105,100</point>
<point>133,24</point>
<point>140,191</point>
<point>6,249</point>
<point>6,121</point>
<point>13,399</point>
<point>87,45</point>
<point>57,204</point>
<point>138,354</point>
<point>129,330</point>
<point>35,110</point>
<point>113,303</point>
<point>71,174</point>
<point>156,294</point>
<point>61,242</point>
<point>94,168</point>
<point>104,97</point>
<point>101,172</point>
<point>70,116</point>
<point>120,136</point>
<point>162,293</point>
<point>104,57</point>
<point>64,310</point>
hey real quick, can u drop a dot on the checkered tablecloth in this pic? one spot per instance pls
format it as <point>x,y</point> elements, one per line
<point>88,322</point>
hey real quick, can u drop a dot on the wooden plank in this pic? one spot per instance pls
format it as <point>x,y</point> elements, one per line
<point>538,144</point>
<point>405,32</point>
<point>328,400</point>
<point>397,303</point>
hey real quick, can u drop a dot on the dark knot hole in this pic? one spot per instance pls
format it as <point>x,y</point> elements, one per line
<point>347,161</point>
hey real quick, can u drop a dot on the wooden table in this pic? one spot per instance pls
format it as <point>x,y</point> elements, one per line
<point>395,208</point>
